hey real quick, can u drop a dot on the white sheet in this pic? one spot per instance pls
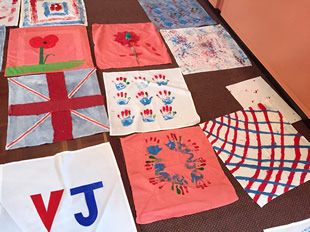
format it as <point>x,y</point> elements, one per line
<point>167,96</point>
<point>256,90</point>
<point>66,171</point>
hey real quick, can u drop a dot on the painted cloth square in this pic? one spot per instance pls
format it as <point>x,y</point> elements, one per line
<point>2,41</point>
<point>171,14</point>
<point>256,90</point>
<point>47,49</point>
<point>9,12</point>
<point>142,101</point>
<point>52,12</point>
<point>301,226</point>
<point>262,150</point>
<point>72,191</point>
<point>204,49</point>
<point>128,45</point>
<point>174,173</point>
<point>54,107</point>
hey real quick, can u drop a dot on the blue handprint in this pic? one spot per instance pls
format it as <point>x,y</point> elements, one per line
<point>141,82</point>
<point>144,98</point>
<point>165,96</point>
<point>147,115</point>
<point>121,83</point>
<point>126,118</point>
<point>197,178</point>
<point>122,98</point>
<point>153,149</point>
<point>167,112</point>
<point>160,79</point>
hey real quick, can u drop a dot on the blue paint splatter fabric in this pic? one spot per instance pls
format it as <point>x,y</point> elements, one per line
<point>171,14</point>
<point>2,39</point>
<point>204,49</point>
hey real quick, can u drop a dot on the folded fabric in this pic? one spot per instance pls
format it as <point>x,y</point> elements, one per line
<point>53,107</point>
<point>128,45</point>
<point>204,49</point>
<point>142,101</point>
<point>2,40</point>
<point>47,49</point>
<point>174,173</point>
<point>52,12</point>
<point>72,191</point>
<point>256,90</point>
<point>262,150</point>
<point>9,12</point>
<point>170,14</point>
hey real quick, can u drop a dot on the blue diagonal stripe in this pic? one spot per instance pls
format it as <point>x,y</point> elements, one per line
<point>255,131</point>
<point>263,122</point>
<point>261,160</point>
<point>260,192</point>
<point>263,181</point>
<point>260,111</point>
<point>257,147</point>
<point>268,168</point>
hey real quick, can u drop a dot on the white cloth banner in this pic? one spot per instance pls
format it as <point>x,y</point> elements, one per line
<point>256,90</point>
<point>71,191</point>
<point>301,226</point>
<point>142,101</point>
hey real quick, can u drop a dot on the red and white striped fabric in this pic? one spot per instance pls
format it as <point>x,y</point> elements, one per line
<point>262,150</point>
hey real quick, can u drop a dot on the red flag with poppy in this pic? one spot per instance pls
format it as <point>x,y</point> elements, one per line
<point>47,49</point>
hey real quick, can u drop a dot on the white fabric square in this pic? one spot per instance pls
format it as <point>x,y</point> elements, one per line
<point>301,226</point>
<point>256,90</point>
<point>83,187</point>
<point>142,101</point>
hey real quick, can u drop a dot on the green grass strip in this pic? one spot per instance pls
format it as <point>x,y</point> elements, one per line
<point>42,68</point>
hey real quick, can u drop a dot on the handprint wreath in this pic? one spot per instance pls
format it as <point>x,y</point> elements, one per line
<point>157,160</point>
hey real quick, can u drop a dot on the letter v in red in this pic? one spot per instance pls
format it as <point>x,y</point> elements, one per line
<point>47,216</point>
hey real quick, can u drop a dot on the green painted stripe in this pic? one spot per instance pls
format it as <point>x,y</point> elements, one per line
<point>42,68</point>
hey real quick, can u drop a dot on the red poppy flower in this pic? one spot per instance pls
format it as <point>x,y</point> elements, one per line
<point>46,42</point>
<point>55,7</point>
<point>120,37</point>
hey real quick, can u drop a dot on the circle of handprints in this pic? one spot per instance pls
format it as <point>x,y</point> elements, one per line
<point>157,163</point>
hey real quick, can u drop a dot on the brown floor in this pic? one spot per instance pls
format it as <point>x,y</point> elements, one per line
<point>211,100</point>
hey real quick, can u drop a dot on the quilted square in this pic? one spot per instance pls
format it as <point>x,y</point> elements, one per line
<point>262,150</point>
<point>204,49</point>
<point>128,45</point>
<point>171,14</point>
<point>142,101</point>
<point>47,49</point>
<point>52,12</point>
<point>9,12</point>
<point>53,107</point>
<point>174,173</point>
